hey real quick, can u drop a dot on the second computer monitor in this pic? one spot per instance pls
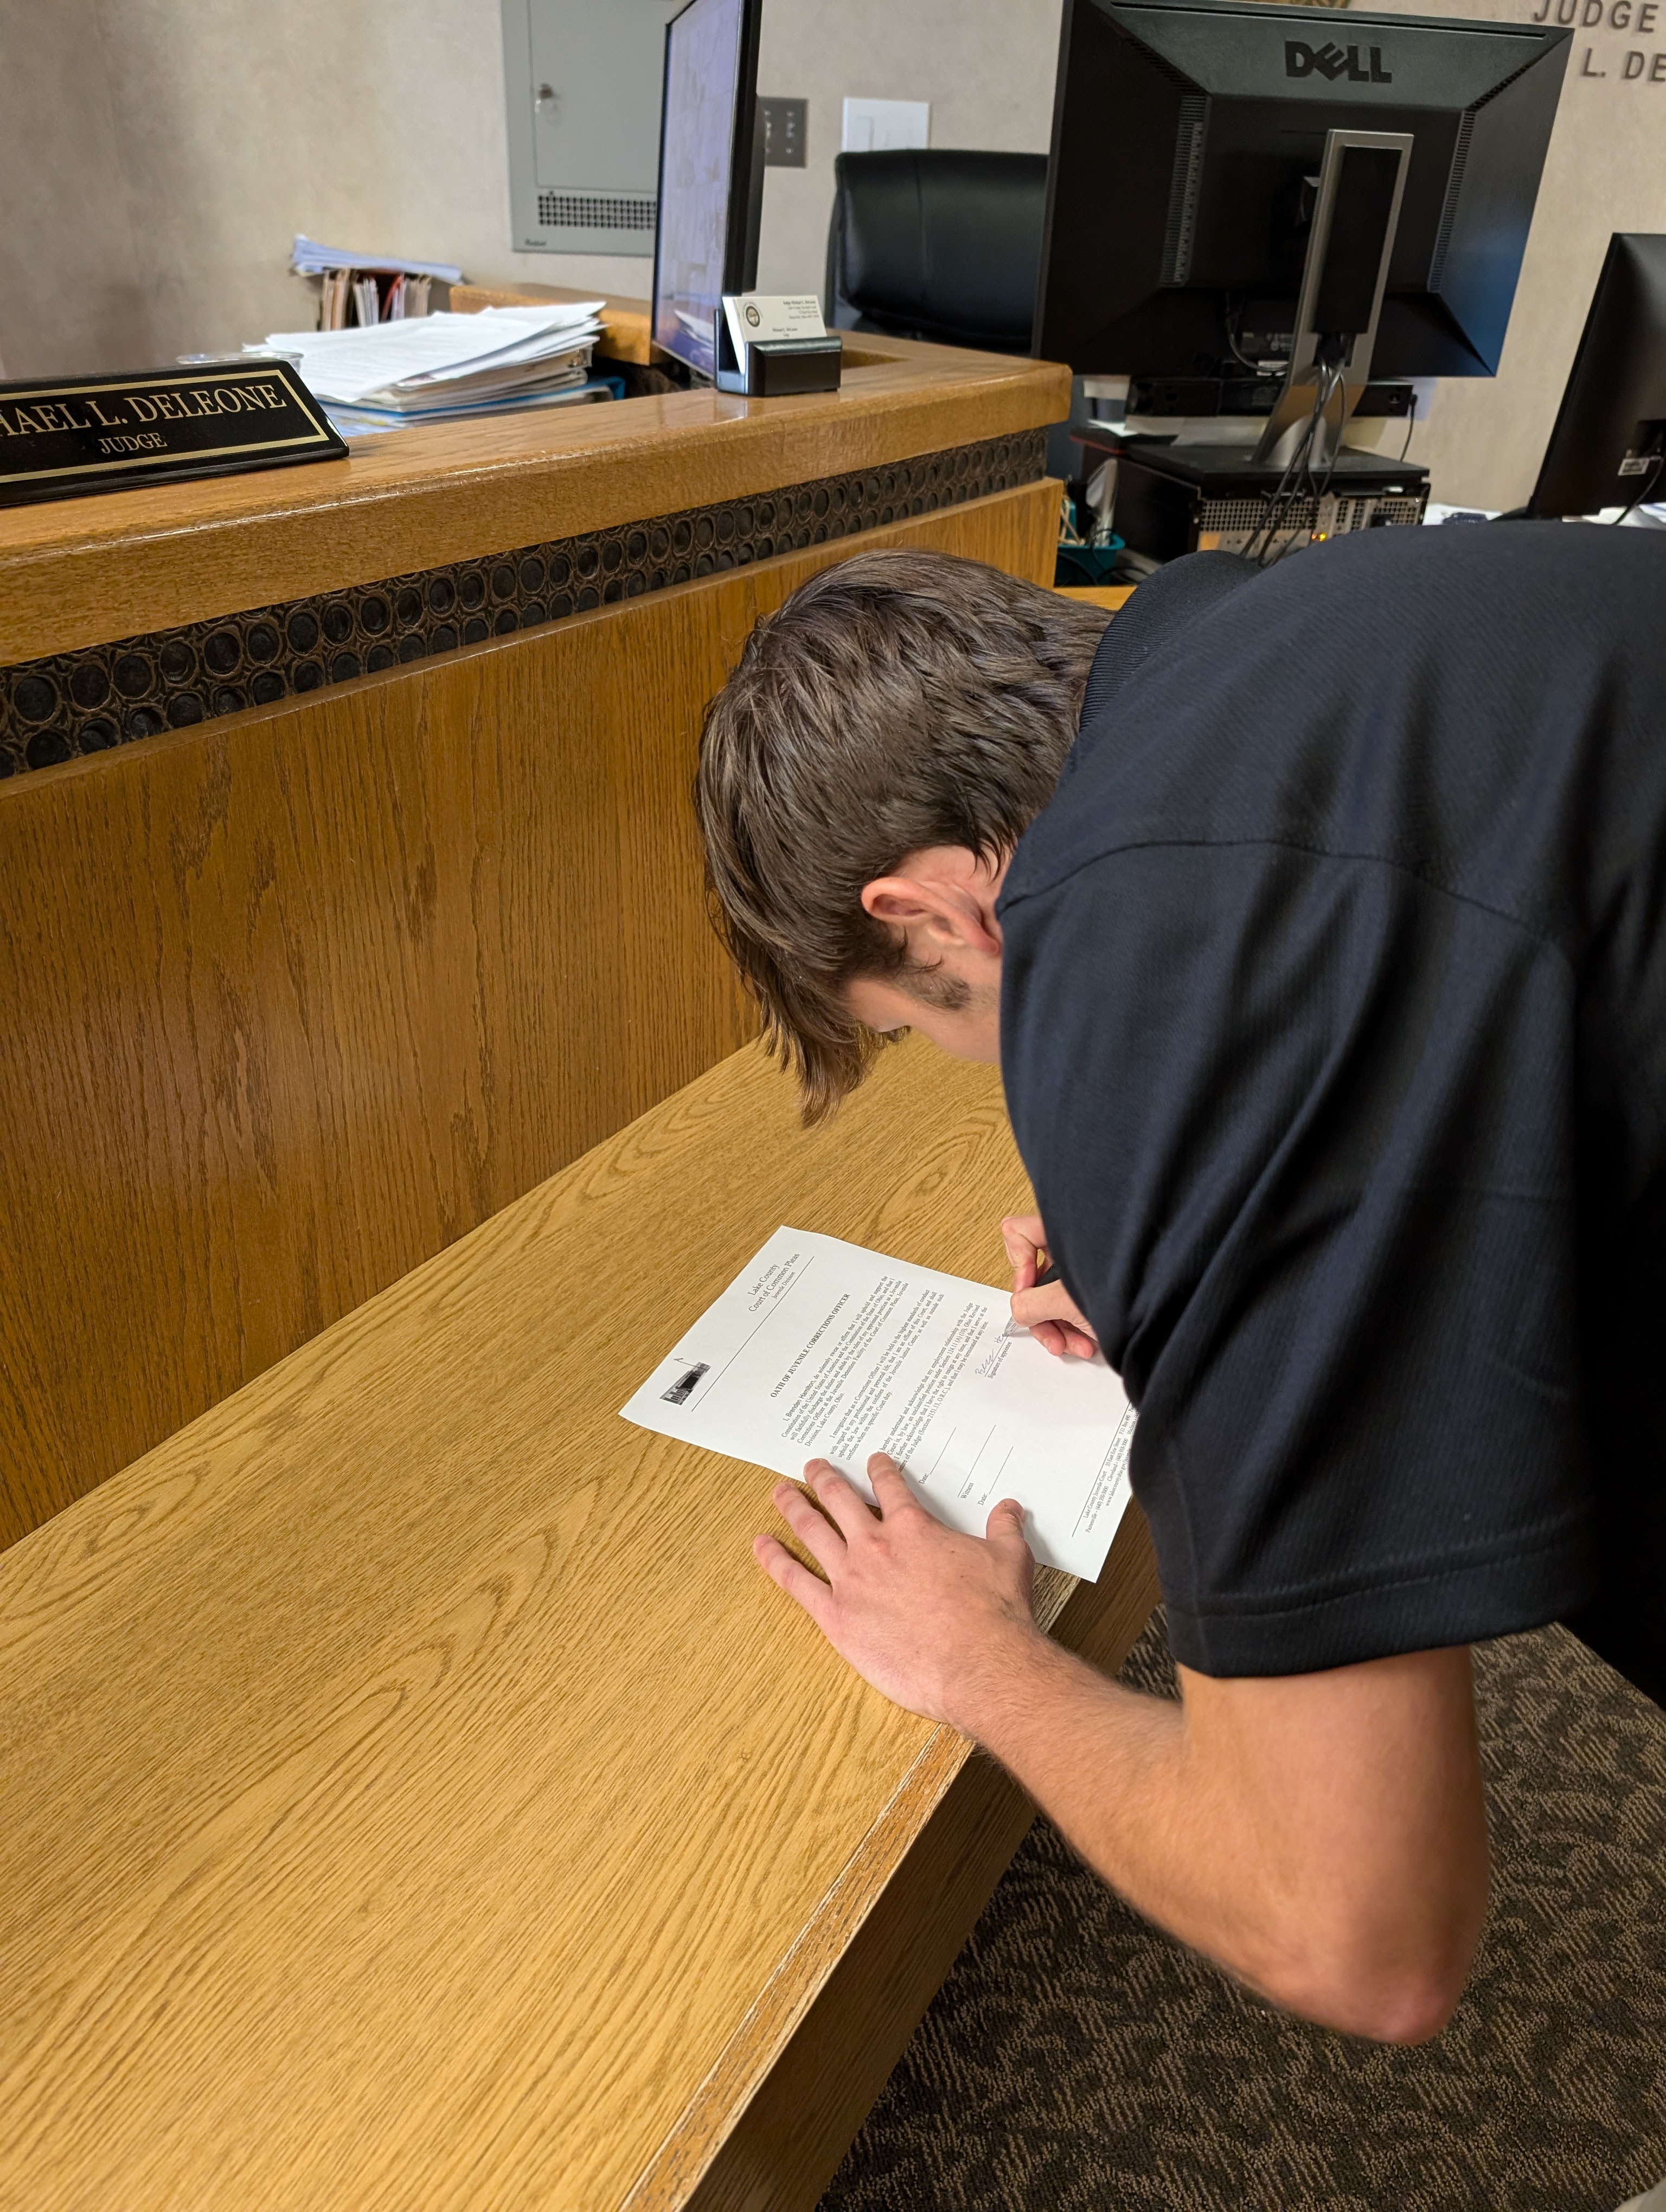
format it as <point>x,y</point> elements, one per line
<point>1187,136</point>
<point>711,173</point>
<point>1609,448</point>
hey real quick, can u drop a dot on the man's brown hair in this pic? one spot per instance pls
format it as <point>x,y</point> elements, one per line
<point>896,701</point>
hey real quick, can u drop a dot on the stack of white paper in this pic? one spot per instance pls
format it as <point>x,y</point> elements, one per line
<point>448,364</point>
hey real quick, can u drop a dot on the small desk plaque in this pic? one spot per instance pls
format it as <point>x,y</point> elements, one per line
<point>87,434</point>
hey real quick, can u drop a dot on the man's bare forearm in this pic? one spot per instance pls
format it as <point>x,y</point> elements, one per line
<point>1108,1767</point>
<point>1237,1855</point>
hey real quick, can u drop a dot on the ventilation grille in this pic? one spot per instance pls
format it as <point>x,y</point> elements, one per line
<point>1454,187</point>
<point>1226,519</point>
<point>1230,515</point>
<point>1182,189</point>
<point>594,211</point>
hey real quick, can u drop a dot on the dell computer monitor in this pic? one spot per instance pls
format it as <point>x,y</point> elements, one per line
<point>1609,448</point>
<point>711,173</point>
<point>1188,136</point>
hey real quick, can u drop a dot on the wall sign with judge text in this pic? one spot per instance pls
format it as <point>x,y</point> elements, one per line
<point>86,434</point>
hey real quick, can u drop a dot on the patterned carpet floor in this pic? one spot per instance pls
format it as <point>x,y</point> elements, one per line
<point>1078,2061</point>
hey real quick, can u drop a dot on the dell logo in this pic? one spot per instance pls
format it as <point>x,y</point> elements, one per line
<point>1331,61</point>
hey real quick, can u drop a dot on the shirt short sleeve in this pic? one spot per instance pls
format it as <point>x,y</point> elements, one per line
<point>1301,1129</point>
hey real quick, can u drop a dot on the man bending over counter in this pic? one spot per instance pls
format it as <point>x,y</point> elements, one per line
<point>1315,918</point>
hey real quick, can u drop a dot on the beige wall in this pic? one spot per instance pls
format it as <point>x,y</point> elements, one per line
<point>987,67</point>
<point>70,289</point>
<point>157,155</point>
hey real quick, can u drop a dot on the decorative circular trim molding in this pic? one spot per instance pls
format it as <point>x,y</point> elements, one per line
<point>86,702</point>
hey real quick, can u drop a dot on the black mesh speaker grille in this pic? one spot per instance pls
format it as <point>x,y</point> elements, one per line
<point>594,211</point>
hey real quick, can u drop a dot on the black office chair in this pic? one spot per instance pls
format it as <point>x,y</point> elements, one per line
<point>939,245</point>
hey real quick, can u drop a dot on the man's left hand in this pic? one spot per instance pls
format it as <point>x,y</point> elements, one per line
<point>922,1613</point>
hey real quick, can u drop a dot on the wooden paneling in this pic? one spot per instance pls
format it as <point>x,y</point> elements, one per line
<point>83,571</point>
<point>415,1795</point>
<point>294,999</point>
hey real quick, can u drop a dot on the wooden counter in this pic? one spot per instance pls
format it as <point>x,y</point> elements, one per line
<point>395,905</point>
<point>77,572</point>
<point>414,1795</point>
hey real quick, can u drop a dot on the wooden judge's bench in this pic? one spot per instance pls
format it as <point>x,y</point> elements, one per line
<point>410,1793</point>
<point>367,895</point>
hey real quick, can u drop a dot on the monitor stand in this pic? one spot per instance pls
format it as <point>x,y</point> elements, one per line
<point>1356,213</point>
<point>1298,485</point>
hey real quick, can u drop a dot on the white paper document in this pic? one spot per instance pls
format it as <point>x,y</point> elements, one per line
<point>824,1350</point>
<point>443,358</point>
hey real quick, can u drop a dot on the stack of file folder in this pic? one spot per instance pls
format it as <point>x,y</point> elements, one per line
<point>368,287</point>
<point>436,368</point>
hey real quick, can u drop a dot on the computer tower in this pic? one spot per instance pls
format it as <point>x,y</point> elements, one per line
<point>1171,500</point>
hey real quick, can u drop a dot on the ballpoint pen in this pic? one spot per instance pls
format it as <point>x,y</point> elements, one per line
<point>1050,1274</point>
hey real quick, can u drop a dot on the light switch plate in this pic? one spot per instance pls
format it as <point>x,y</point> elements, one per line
<point>880,126</point>
<point>783,133</point>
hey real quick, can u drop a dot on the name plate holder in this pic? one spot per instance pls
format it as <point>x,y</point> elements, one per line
<point>71,435</point>
<point>768,347</point>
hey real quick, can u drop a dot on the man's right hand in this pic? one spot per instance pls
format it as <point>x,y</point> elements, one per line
<point>1049,1314</point>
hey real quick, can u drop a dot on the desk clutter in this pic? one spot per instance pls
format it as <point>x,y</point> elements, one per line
<point>437,367</point>
<point>357,289</point>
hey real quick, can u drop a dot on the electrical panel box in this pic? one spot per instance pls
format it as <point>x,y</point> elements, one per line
<point>582,83</point>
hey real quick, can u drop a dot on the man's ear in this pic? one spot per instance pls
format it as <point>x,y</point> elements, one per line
<point>899,900</point>
<point>941,913</point>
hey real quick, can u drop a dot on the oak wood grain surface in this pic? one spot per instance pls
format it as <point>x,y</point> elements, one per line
<point>1110,597</point>
<point>85,571</point>
<point>860,1976</point>
<point>414,1795</point>
<point>294,997</point>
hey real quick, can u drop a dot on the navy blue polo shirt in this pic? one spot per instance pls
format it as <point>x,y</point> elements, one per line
<point>1334,1035</point>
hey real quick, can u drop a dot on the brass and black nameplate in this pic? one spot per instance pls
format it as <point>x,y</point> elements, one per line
<point>85,434</point>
